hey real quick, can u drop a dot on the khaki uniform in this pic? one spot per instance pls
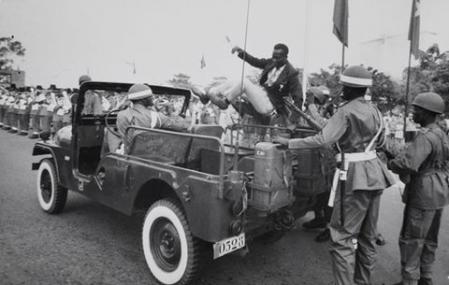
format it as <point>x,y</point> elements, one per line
<point>425,165</point>
<point>353,248</point>
<point>140,116</point>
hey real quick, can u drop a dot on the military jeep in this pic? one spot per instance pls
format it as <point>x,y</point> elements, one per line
<point>203,198</point>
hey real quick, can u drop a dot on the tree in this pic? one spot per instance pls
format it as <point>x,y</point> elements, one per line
<point>181,80</point>
<point>329,78</point>
<point>432,74</point>
<point>9,49</point>
<point>384,92</point>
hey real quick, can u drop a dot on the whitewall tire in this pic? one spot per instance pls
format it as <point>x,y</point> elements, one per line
<point>172,254</point>
<point>51,196</point>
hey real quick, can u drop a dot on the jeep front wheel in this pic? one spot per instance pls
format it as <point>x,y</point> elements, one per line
<point>51,196</point>
<point>171,252</point>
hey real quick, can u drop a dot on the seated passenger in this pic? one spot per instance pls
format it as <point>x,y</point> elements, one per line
<point>141,114</point>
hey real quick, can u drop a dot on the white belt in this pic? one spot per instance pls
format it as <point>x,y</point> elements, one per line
<point>357,156</point>
<point>340,174</point>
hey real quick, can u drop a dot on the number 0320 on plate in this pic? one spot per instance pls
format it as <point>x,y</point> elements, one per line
<point>229,245</point>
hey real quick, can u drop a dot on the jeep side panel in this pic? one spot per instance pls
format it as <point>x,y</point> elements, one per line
<point>125,178</point>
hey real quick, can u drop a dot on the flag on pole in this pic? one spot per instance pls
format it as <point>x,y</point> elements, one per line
<point>413,32</point>
<point>203,62</point>
<point>341,15</point>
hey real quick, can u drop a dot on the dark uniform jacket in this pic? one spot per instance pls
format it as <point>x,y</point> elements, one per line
<point>286,84</point>
<point>426,162</point>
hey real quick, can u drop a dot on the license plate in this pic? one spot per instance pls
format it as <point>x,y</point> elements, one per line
<point>229,245</point>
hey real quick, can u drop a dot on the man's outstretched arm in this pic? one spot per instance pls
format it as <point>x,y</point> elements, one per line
<point>253,61</point>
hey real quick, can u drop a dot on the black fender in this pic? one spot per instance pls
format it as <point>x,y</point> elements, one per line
<point>60,157</point>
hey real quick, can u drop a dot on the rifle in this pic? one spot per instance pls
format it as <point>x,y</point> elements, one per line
<point>316,126</point>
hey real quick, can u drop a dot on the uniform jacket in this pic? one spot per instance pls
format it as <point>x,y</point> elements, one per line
<point>286,84</point>
<point>353,127</point>
<point>140,116</point>
<point>426,162</point>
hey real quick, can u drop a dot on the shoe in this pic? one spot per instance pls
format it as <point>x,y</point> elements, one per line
<point>201,93</point>
<point>315,224</point>
<point>380,241</point>
<point>323,236</point>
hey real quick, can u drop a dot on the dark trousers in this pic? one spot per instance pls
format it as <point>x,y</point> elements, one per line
<point>321,209</point>
<point>417,243</point>
<point>353,244</point>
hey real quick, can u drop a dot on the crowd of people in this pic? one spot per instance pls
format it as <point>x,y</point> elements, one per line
<point>33,110</point>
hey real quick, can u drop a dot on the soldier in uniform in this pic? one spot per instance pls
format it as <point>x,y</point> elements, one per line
<point>424,167</point>
<point>357,129</point>
<point>140,114</point>
<point>92,100</point>
<point>316,100</point>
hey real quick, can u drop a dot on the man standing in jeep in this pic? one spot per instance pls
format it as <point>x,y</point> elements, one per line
<point>278,79</point>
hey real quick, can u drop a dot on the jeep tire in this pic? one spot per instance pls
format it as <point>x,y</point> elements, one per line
<point>172,254</point>
<point>51,196</point>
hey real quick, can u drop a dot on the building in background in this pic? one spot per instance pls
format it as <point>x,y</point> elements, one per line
<point>12,77</point>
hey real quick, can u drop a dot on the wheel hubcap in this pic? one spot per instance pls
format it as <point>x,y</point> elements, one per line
<point>165,244</point>
<point>46,186</point>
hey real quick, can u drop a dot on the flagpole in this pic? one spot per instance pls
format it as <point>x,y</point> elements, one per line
<point>237,145</point>
<point>342,154</point>
<point>407,88</point>
<point>306,51</point>
<point>413,36</point>
<point>341,31</point>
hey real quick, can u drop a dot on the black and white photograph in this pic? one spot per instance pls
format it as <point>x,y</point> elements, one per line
<point>224,142</point>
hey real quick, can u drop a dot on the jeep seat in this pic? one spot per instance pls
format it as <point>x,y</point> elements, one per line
<point>200,144</point>
<point>208,130</point>
<point>167,148</point>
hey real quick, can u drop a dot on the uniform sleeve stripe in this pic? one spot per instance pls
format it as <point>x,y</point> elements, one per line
<point>354,80</point>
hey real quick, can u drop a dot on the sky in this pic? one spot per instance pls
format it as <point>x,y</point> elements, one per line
<point>107,38</point>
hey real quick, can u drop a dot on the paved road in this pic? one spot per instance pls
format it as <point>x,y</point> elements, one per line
<point>91,244</point>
